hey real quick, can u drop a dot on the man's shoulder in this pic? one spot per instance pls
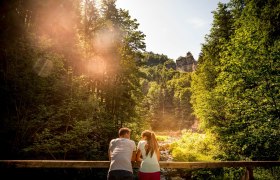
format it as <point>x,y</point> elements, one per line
<point>112,140</point>
<point>130,141</point>
<point>122,140</point>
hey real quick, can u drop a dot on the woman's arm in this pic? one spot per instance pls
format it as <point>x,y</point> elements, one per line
<point>138,155</point>
<point>158,154</point>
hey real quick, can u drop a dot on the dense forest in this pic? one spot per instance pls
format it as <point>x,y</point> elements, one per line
<point>73,72</point>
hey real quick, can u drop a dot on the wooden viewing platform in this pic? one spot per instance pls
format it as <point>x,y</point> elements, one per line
<point>249,165</point>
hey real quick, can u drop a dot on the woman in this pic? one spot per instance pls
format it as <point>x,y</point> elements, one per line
<point>149,155</point>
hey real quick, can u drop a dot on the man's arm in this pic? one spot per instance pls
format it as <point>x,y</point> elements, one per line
<point>109,154</point>
<point>110,150</point>
<point>133,157</point>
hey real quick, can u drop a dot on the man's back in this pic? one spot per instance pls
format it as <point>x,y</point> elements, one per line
<point>121,153</point>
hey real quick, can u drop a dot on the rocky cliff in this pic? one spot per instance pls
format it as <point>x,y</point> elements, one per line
<point>186,64</point>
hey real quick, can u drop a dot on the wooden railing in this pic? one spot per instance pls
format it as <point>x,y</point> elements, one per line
<point>249,165</point>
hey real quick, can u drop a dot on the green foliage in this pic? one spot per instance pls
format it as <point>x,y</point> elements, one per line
<point>207,107</point>
<point>235,90</point>
<point>161,138</point>
<point>180,85</point>
<point>233,173</point>
<point>53,104</point>
<point>195,147</point>
<point>151,59</point>
<point>248,85</point>
<point>69,121</point>
<point>167,97</point>
<point>271,173</point>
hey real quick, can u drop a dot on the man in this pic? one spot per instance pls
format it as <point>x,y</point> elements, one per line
<point>121,152</point>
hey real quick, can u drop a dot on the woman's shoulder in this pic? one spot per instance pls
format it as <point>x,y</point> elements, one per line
<point>142,142</point>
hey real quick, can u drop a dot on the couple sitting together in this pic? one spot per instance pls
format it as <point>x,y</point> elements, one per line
<point>122,151</point>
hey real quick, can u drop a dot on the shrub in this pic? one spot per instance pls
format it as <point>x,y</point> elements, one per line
<point>195,147</point>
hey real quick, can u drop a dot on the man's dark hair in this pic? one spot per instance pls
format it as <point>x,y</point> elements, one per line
<point>124,131</point>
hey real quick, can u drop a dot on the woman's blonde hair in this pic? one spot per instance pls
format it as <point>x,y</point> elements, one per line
<point>152,144</point>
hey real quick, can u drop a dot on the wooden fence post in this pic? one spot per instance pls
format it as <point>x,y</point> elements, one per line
<point>248,175</point>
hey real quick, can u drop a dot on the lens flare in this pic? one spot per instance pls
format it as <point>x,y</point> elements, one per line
<point>43,67</point>
<point>96,66</point>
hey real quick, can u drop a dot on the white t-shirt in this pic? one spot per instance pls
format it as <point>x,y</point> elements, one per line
<point>148,164</point>
<point>121,153</point>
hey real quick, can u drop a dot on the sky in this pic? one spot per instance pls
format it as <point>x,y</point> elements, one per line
<point>172,27</point>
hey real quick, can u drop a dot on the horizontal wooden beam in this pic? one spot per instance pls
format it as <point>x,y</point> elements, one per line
<point>105,164</point>
<point>219,164</point>
<point>53,164</point>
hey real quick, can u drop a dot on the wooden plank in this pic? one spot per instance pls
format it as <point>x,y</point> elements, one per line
<point>105,164</point>
<point>53,164</point>
<point>195,165</point>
